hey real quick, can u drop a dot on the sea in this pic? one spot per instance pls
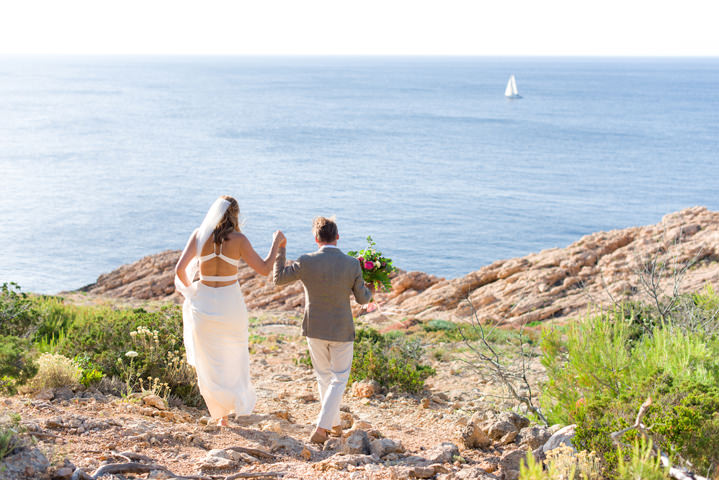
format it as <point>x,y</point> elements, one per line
<point>104,160</point>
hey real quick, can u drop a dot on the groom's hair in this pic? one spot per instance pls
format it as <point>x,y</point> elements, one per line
<point>325,229</point>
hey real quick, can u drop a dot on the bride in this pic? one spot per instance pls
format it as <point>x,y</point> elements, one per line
<point>214,312</point>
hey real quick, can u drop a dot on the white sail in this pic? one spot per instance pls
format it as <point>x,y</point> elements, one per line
<point>508,92</point>
<point>511,90</point>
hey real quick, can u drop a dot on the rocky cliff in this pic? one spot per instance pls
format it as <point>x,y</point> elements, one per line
<point>557,283</point>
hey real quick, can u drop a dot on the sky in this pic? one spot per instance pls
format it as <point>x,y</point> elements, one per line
<point>371,27</point>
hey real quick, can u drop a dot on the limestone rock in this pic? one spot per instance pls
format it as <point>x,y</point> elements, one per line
<point>474,437</point>
<point>533,437</point>
<point>443,453</point>
<point>332,444</point>
<point>555,284</point>
<point>24,463</point>
<point>510,461</point>
<point>357,442</point>
<point>383,446</point>
<point>209,463</point>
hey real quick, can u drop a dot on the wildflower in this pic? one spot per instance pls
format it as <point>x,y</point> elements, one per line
<point>131,354</point>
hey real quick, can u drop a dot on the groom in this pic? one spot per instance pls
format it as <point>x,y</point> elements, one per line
<point>329,276</point>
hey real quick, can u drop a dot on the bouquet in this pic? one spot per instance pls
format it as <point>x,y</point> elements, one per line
<point>375,267</point>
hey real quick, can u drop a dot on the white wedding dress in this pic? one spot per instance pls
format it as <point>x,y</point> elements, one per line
<point>215,323</point>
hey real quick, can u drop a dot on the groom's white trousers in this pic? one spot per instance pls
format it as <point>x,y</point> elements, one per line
<point>332,362</point>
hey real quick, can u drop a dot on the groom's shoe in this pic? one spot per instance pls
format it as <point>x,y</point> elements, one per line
<point>336,431</point>
<point>319,436</point>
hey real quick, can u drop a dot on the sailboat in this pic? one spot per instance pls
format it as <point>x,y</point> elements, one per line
<point>511,90</point>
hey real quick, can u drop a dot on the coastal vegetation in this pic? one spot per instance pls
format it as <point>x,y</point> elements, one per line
<point>600,369</point>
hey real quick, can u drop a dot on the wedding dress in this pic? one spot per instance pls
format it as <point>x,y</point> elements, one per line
<point>215,323</point>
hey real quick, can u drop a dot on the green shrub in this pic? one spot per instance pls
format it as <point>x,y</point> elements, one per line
<point>609,363</point>
<point>10,430</point>
<point>641,463</point>
<point>18,315</point>
<point>439,325</point>
<point>392,362</point>
<point>16,362</point>
<point>90,374</point>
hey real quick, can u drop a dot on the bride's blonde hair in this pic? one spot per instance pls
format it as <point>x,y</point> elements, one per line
<point>229,223</point>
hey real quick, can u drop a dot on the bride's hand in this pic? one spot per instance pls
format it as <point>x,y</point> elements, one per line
<point>279,238</point>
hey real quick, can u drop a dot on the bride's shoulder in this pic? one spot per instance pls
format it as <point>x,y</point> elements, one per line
<point>238,237</point>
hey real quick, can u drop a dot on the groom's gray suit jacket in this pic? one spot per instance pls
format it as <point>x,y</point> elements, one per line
<point>329,276</point>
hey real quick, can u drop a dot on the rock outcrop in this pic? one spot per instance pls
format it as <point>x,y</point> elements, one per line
<point>553,284</point>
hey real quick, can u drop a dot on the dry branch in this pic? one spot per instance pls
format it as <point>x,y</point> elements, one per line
<point>234,476</point>
<point>253,451</point>
<point>489,357</point>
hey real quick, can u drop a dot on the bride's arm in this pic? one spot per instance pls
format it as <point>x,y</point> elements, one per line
<point>259,265</point>
<point>187,255</point>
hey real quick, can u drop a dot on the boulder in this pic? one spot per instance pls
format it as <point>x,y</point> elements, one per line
<point>563,436</point>
<point>24,463</point>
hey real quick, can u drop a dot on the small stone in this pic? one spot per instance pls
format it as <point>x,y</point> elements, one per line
<point>425,402</point>
<point>533,437</point>
<point>64,393</point>
<point>273,427</point>
<point>508,438</point>
<point>332,444</point>
<point>365,388</point>
<point>46,394</point>
<point>306,454</point>
<point>474,437</point>
<point>283,414</point>
<point>362,425</point>
<point>155,401</point>
<point>63,473</point>
<point>443,453</point>
<point>384,446</point>
<point>215,463</point>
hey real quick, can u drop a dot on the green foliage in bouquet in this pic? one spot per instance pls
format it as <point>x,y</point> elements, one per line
<point>375,267</point>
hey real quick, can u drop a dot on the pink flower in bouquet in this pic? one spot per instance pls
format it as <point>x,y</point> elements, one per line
<point>361,260</point>
<point>368,265</point>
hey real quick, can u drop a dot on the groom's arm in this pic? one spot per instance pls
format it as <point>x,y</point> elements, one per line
<point>361,292</point>
<point>283,274</point>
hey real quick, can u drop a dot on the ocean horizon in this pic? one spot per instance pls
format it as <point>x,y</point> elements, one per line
<point>108,159</point>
